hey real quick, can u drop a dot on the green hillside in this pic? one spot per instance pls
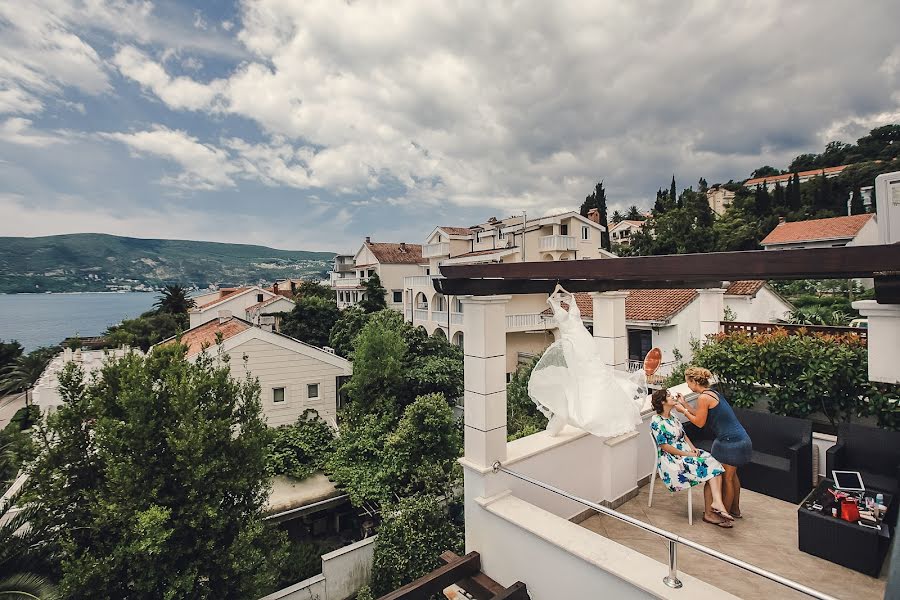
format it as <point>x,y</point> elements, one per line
<point>99,262</point>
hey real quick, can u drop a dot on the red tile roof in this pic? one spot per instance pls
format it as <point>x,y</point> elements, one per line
<point>223,293</point>
<point>205,335</point>
<point>456,230</point>
<point>265,303</point>
<point>748,287</point>
<point>817,229</point>
<point>642,305</point>
<point>786,176</point>
<point>392,254</point>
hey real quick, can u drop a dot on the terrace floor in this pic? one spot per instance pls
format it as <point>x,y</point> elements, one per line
<point>765,537</point>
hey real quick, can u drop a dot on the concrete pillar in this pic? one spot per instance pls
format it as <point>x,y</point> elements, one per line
<point>609,328</point>
<point>484,323</point>
<point>712,311</point>
<point>884,339</point>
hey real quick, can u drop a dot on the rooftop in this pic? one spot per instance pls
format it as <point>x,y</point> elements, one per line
<point>748,287</point>
<point>206,335</point>
<point>787,176</point>
<point>642,305</point>
<point>396,253</point>
<point>834,228</point>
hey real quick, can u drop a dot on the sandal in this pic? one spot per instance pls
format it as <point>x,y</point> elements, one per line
<point>722,514</point>
<point>722,524</point>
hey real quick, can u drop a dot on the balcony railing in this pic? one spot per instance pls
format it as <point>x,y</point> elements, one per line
<point>439,315</point>
<point>348,282</point>
<point>417,281</point>
<point>758,328</point>
<point>421,315</point>
<point>561,243</point>
<point>433,250</point>
<point>409,314</point>
<point>456,318</point>
<point>662,372</point>
<point>528,321</point>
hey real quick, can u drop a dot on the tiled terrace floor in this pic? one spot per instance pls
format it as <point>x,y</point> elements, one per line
<point>765,537</point>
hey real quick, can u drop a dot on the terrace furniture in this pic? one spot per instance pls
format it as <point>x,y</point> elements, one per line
<point>872,451</point>
<point>843,542</point>
<point>781,465</point>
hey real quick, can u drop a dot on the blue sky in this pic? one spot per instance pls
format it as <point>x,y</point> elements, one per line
<point>310,125</point>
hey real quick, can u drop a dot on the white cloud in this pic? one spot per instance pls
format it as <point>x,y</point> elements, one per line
<point>176,92</point>
<point>18,131</point>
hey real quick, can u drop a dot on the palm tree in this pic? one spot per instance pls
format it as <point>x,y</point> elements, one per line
<point>22,374</point>
<point>20,551</point>
<point>174,300</point>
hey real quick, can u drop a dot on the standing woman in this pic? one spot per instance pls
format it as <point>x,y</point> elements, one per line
<point>732,446</point>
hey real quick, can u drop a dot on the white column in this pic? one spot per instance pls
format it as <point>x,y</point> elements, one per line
<point>484,324</point>
<point>609,328</point>
<point>884,339</point>
<point>712,311</point>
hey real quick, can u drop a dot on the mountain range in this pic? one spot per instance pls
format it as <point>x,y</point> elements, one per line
<point>92,262</point>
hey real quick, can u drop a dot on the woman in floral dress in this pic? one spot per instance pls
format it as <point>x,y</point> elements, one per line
<point>681,465</point>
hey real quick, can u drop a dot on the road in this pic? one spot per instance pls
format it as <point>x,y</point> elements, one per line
<point>8,407</point>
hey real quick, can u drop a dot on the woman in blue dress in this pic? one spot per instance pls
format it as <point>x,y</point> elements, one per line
<point>732,446</point>
<point>680,464</point>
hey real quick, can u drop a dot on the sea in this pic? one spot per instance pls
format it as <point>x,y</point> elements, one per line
<point>37,320</point>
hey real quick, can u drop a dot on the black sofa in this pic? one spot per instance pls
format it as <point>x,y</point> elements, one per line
<point>874,452</point>
<point>781,465</point>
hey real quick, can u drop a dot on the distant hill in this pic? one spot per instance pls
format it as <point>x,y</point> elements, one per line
<point>86,262</point>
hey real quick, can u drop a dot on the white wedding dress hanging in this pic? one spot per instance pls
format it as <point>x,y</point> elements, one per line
<point>571,385</point>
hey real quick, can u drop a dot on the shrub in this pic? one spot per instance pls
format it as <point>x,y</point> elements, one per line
<point>301,449</point>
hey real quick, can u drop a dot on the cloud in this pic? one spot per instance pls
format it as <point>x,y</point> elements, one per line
<point>180,93</point>
<point>18,131</point>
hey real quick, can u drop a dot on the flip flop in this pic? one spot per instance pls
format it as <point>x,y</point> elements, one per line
<point>652,361</point>
<point>722,514</point>
<point>722,524</point>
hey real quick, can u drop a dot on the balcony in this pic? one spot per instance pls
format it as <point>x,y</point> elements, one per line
<point>528,322</point>
<point>456,318</point>
<point>420,315</point>
<point>557,243</point>
<point>417,281</point>
<point>436,250</point>
<point>440,316</point>
<point>348,282</point>
<point>344,268</point>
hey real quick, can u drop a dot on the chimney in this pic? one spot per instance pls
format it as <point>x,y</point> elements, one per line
<point>368,240</point>
<point>403,247</point>
<point>275,288</point>
<point>781,220</point>
<point>594,215</point>
<point>224,315</point>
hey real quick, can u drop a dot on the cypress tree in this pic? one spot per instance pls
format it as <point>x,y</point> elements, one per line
<point>856,203</point>
<point>598,200</point>
<point>673,194</point>
<point>794,199</point>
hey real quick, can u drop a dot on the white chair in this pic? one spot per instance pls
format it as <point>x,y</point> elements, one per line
<point>653,484</point>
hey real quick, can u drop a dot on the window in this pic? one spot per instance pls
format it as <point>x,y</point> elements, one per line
<point>640,341</point>
<point>371,272</point>
<point>563,230</point>
<point>585,232</point>
<point>259,297</point>
<point>398,297</point>
<point>278,394</point>
<point>312,390</point>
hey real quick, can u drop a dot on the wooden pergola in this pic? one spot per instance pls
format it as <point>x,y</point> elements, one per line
<point>882,263</point>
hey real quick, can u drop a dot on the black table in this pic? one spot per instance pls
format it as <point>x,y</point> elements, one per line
<point>848,544</point>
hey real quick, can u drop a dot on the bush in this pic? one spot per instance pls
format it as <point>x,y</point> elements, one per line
<point>301,449</point>
<point>522,416</point>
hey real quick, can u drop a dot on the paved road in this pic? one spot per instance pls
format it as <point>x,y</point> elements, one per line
<point>8,407</point>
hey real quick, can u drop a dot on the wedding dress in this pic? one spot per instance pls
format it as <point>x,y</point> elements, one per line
<point>571,385</point>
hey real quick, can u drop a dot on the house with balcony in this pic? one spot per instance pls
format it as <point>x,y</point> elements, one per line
<point>570,516</point>
<point>342,268</point>
<point>245,302</point>
<point>621,232</point>
<point>853,230</point>
<point>561,237</point>
<point>393,261</point>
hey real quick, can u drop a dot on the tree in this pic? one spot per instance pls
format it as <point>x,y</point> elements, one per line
<point>779,198</point>
<point>702,185</point>
<point>302,448</point>
<point>146,330</point>
<point>522,416</point>
<point>597,200</point>
<point>617,217</point>
<point>9,352</point>
<point>153,478</point>
<point>414,533</point>
<point>794,198</point>
<point>175,301</point>
<point>634,214</point>
<point>311,320</point>
<point>23,555</point>
<point>22,373</point>
<point>375,293</point>
<point>308,288</point>
<point>662,204</point>
<point>345,330</point>
<point>673,194</point>
<point>762,202</point>
<point>765,171</point>
<point>856,203</point>
<point>804,162</point>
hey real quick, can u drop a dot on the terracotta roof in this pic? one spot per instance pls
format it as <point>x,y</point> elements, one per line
<point>658,304</point>
<point>265,303</point>
<point>390,253</point>
<point>817,229</point>
<point>223,293</point>
<point>456,230</point>
<point>786,176</point>
<point>482,252</point>
<point>748,287</point>
<point>205,335</point>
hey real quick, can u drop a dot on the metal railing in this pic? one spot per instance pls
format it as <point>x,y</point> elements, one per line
<point>529,321</point>
<point>671,579</point>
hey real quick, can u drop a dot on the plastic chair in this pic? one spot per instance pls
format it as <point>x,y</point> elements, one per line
<point>653,484</point>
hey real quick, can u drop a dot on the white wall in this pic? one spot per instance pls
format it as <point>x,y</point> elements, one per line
<point>238,305</point>
<point>766,307</point>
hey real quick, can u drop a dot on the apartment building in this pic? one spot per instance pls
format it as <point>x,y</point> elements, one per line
<point>392,261</point>
<point>564,236</point>
<point>621,232</point>
<point>719,199</point>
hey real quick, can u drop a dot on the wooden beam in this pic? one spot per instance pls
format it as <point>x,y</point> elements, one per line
<point>434,582</point>
<point>887,288</point>
<point>516,591</point>
<point>685,270</point>
<point>479,585</point>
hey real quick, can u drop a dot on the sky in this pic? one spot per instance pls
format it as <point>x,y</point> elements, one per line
<point>310,125</point>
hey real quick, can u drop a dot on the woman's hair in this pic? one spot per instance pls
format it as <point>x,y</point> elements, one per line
<point>658,399</point>
<point>698,375</point>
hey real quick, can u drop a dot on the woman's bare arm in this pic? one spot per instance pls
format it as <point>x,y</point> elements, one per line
<point>673,450</point>
<point>697,415</point>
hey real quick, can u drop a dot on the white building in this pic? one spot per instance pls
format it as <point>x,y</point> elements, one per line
<point>621,232</point>
<point>251,303</point>
<point>391,261</point>
<point>45,393</point>
<point>564,236</point>
<point>343,268</point>
<point>719,199</point>
<point>772,180</point>
<point>854,230</point>
<point>293,376</point>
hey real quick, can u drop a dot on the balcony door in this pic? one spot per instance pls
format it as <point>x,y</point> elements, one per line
<point>640,341</point>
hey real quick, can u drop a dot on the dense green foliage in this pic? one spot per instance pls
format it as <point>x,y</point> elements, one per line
<point>92,261</point>
<point>153,479</point>
<point>374,299</point>
<point>803,373</point>
<point>311,320</point>
<point>9,351</point>
<point>174,300</point>
<point>409,535</point>
<point>146,330</point>
<point>345,330</point>
<point>16,443</point>
<point>302,448</point>
<point>882,143</point>
<point>308,287</point>
<point>23,554</point>
<point>597,199</point>
<point>522,416</point>
<point>21,373</point>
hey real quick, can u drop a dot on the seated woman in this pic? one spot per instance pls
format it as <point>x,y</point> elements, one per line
<point>680,464</point>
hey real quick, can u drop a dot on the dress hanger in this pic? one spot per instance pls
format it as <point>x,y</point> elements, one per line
<point>558,292</point>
